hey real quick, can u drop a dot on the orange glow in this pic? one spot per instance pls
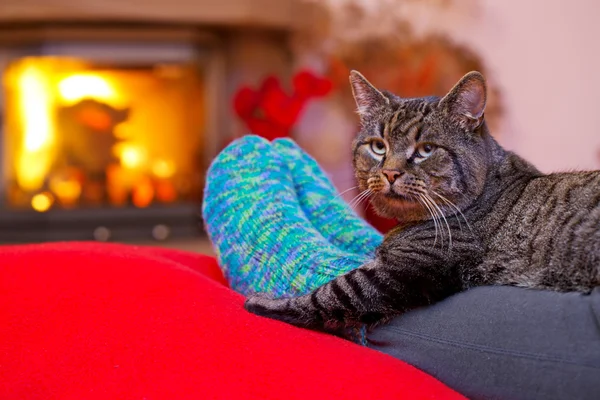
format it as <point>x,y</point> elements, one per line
<point>131,156</point>
<point>67,191</point>
<point>80,134</point>
<point>42,202</point>
<point>35,109</point>
<point>80,86</point>
<point>143,193</point>
<point>34,105</point>
<point>163,169</point>
<point>119,182</point>
<point>165,191</point>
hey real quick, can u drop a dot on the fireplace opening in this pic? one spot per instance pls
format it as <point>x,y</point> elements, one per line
<point>110,147</point>
<point>82,135</point>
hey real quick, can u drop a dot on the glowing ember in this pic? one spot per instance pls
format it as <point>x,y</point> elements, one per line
<point>42,202</point>
<point>163,169</point>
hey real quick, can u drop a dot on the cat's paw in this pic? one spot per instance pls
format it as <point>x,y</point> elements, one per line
<point>259,304</point>
<point>282,309</point>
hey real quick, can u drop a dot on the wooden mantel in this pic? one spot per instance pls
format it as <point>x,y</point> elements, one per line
<point>276,14</point>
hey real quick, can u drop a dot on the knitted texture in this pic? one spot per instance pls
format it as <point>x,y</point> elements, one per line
<point>276,221</point>
<point>322,204</point>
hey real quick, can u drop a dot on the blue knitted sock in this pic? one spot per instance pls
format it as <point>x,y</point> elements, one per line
<point>323,206</point>
<point>263,239</point>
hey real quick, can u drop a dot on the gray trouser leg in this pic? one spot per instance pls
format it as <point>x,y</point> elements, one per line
<point>501,342</point>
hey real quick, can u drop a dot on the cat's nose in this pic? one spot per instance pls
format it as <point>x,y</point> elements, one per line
<point>391,175</point>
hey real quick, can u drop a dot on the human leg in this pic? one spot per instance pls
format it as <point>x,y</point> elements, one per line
<point>263,239</point>
<point>502,342</point>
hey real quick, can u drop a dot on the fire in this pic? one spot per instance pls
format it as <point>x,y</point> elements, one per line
<point>67,190</point>
<point>79,134</point>
<point>35,104</point>
<point>131,156</point>
<point>163,168</point>
<point>80,86</point>
<point>39,91</point>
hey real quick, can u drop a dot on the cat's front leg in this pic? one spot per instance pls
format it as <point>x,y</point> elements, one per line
<point>367,295</point>
<point>293,310</point>
<point>347,300</point>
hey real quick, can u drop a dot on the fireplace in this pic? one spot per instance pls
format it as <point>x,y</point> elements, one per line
<point>106,139</point>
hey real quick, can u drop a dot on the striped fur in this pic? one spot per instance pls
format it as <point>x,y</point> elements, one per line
<point>472,212</point>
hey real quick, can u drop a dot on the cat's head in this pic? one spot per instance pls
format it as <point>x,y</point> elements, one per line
<point>419,156</point>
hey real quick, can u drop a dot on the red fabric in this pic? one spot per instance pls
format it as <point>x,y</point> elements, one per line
<point>99,321</point>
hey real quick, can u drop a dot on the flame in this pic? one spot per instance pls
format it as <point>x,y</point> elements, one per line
<point>80,86</point>
<point>163,168</point>
<point>130,155</point>
<point>67,190</point>
<point>34,103</point>
<point>143,193</point>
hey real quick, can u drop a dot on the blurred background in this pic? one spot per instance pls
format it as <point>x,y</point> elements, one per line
<point>111,111</point>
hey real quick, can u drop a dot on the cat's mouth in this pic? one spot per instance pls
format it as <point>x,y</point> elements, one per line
<point>394,196</point>
<point>393,199</point>
<point>397,205</point>
<point>399,193</point>
<point>398,199</point>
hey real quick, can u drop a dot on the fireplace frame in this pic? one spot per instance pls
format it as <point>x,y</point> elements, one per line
<point>119,45</point>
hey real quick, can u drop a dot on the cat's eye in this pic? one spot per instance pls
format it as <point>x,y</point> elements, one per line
<point>424,150</point>
<point>378,147</point>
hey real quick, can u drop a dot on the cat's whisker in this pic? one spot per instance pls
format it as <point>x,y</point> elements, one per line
<point>358,199</point>
<point>437,213</point>
<point>436,219</point>
<point>324,209</point>
<point>445,220</point>
<point>342,193</point>
<point>455,207</point>
<point>453,212</point>
<point>365,198</point>
<point>424,204</point>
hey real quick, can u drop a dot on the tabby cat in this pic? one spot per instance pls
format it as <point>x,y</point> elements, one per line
<point>472,213</point>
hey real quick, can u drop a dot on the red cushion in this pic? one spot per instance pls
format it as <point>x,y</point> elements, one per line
<point>99,321</point>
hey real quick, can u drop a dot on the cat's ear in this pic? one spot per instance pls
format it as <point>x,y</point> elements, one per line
<point>368,98</point>
<point>466,101</point>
